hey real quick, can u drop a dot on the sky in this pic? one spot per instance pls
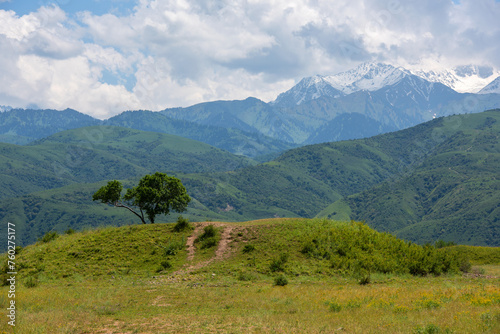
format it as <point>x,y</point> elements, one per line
<point>104,57</point>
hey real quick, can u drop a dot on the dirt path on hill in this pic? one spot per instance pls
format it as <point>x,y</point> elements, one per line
<point>223,248</point>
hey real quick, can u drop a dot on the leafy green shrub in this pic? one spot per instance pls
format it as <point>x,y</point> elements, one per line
<point>465,266</point>
<point>182,224</point>
<point>209,243</point>
<point>248,248</point>
<point>172,247</point>
<point>363,277</point>
<point>164,265</point>
<point>49,236</point>
<point>442,244</point>
<point>280,280</point>
<point>208,238</point>
<point>308,248</point>
<point>429,304</point>
<point>3,274</point>
<point>279,263</point>
<point>209,231</point>
<point>69,231</point>
<point>30,282</point>
<point>478,271</point>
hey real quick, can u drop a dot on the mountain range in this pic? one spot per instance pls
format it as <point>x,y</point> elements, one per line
<point>371,99</point>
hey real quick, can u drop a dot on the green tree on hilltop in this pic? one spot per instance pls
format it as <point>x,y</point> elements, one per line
<point>155,194</point>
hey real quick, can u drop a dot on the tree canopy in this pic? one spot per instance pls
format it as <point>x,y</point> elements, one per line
<point>155,194</point>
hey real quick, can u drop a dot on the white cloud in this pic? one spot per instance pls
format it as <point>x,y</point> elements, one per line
<point>180,52</point>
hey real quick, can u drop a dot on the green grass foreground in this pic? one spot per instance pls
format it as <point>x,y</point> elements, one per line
<point>338,277</point>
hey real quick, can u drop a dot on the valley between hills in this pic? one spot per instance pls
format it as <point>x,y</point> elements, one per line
<point>435,181</point>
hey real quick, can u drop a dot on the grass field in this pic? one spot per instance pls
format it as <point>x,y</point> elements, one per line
<point>151,279</point>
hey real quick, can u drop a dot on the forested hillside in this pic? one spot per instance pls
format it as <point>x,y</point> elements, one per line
<point>437,180</point>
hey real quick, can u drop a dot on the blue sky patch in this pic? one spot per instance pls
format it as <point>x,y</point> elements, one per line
<point>97,7</point>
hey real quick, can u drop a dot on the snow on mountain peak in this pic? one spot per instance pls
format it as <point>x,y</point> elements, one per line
<point>367,76</point>
<point>374,76</point>
<point>307,89</point>
<point>5,108</point>
<point>492,87</point>
<point>463,79</point>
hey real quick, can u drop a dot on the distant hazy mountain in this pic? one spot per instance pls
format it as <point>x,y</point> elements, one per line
<point>251,144</point>
<point>250,115</point>
<point>389,98</point>
<point>365,77</point>
<point>368,76</point>
<point>21,126</point>
<point>307,89</point>
<point>463,79</point>
<point>492,88</point>
<point>348,126</point>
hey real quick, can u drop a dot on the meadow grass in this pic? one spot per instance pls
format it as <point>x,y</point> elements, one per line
<point>145,305</point>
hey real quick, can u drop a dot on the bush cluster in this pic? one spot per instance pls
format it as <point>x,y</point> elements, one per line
<point>280,280</point>
<point>49,236</point>
<point>278,264</point>
<point>182,224</point>
<point>356,248</point>
<point>208,238</point>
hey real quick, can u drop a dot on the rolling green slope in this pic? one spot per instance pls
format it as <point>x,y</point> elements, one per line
<point>453,194</point>
<point>247,143</point>
<point>98,153</point>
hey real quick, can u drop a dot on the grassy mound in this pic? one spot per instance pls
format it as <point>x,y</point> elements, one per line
<point>257,249</point>
<point>111,251</point>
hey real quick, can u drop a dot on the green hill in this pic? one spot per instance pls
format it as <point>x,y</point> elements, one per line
<point>99,153</point>
<point>20,127</point>
<point>307,276</point>
<point>48,185</point>
<point>71,207</point>
<point>453,194</point>
<point>309,247</point>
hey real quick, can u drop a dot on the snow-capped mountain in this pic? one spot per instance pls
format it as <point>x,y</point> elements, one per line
<point>382,96</point>
<point>492,87</point>
<point>368,76</point>
<point>397,83</point>
<point>307,89</point>
<point>463,79</point>
<point>374,76</point>
<point>5,108</point>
